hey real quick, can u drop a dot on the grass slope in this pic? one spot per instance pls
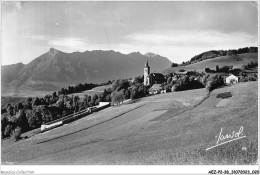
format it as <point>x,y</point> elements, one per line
<point>220,61</point>
<point>96,90</point>
<point>172,128</point>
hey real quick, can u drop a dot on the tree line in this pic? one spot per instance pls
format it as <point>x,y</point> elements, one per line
<point>33,112</point>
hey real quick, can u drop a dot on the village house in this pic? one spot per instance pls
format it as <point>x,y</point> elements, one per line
<point>232,79</point>
<point>181,73</point>
<point>156,89</point>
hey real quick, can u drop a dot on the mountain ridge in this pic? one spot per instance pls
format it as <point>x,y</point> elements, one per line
<point>57,69</point>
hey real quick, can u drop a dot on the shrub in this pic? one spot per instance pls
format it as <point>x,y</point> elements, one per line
<point>250,65</point>
<point>16,135</point>
<point>225,69</point>
<point>224,95</point>
<point>252,78</point>
<point>8,130</point>
<point>168,88</point>
<point>175,87</point>
<point>174,65</point>
<point>247,78</point>
<point>214,81</point>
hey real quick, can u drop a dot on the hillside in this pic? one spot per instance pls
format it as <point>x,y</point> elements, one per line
<point>9,72</point>
<point>173,128</point>
<point>217,53</point>
<point>220,61</point>
<point>96,90</point>
<point>56,69</point>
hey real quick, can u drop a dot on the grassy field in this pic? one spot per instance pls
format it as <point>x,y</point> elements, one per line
<point>96,90</point>
<point>220,61</point>
<point>172,128</point>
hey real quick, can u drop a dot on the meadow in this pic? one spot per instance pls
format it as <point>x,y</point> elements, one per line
<point>220,61</point>
<point>173,128</point>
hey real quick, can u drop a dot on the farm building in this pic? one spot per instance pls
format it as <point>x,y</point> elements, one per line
<point>181,73</point>
<point>232,79</point>
<point>155,89</point>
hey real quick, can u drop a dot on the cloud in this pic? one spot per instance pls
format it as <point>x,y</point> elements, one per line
<point>191,38</point>
<point>37,37</point>
<point>69,43</point>
<point>172,29</point>
<point>180,46</point>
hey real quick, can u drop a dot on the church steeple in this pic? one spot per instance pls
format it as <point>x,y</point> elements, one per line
<point>146,65</point>
<point>146,74</point>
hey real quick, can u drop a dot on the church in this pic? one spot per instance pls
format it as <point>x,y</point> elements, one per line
<point>152,78</point>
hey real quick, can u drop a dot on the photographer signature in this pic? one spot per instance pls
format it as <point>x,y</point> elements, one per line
<point>222,139</point>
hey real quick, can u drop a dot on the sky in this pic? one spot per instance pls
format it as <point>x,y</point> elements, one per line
<point>177,30</point>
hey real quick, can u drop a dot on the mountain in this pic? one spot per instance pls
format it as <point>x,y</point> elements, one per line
<point>152,55</point>
<point>56,69</point>
<point>9,72</point>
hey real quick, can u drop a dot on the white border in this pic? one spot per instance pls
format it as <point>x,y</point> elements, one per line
<point>121,169</point>
<point>118,169</point>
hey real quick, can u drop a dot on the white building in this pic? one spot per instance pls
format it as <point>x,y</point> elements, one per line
<point>232,79</point>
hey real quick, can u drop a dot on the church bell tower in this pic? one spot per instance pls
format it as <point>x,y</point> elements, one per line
<point>146,74</point>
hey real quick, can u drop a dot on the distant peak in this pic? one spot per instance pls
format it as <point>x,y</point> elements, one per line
<point>53,51</point>
<point>133,53</point>
<point>150,54</point>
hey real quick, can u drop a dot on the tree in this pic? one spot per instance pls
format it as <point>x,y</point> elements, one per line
<point>75,101</point>
<point>89,100</point>
<point>169,80</point>
<point>127,94</point>
<point>94,100</point>
<point>253,50</point>
<point>207,70</point>
<point>22,121</point>
<point>175,87</point>
<point>4,123</point>
<point>28,103</point>
<point>217,68</point>
<point>213,82</point>
<point>36,101</point>
<point>117,97</point>
<point>210,86</point>
<point>85,100</point>
<point>108,98</point>
<point>8,130</point>
<point>139,80</point>
<point>10,110</point>
<point>35,120</point>
<point>16,134</point>
<point>231,52</point>
<point>174,65</point>
<point>20,106</point>
<point>168,88</point>
<point>60,102</point>
<point>54,95</point>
